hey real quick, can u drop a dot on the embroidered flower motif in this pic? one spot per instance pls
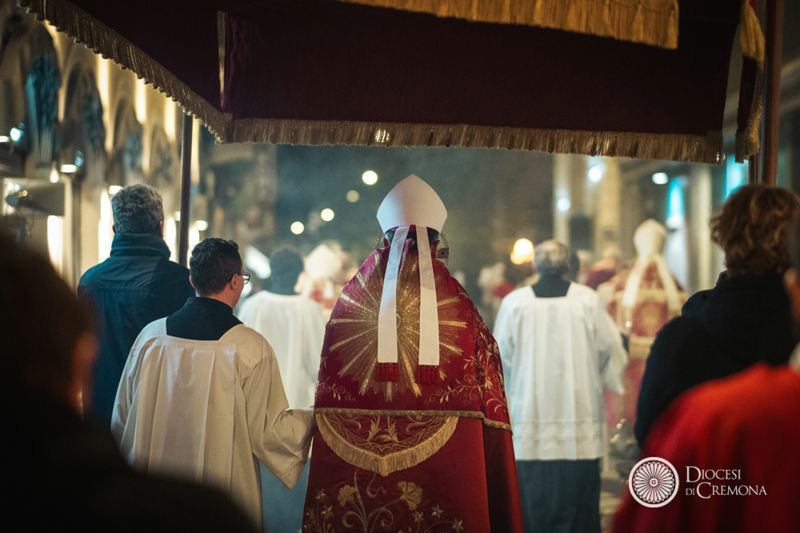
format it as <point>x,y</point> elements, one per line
<point>458,525</point>
<point>418,517</point>
<point>411,493</point>
<point>437,512</point>
<point>320,494</point>
<point>346,494</point>
<point>327,511</point>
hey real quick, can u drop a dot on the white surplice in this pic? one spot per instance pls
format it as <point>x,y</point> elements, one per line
<point>208,410</point>
<point>558,355</point>
<point>294,327</point>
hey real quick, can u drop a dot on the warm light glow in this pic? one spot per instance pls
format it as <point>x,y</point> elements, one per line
<point>4,138</point>
<point>114,189</point>
<point>370,177</point>
<point>169,119</point>
<point>563,205</point>
<point>201,225</point>
<point>194,238</point>
<point>141,101</point>
<point>596,174</point>
<point>105,232</point>
<point>660,178</point>
<point>55,241</point>
<point>257,262</point>
<point>171,236</point>
<point>353,196</point>
<point>327,214</point>
<point>297,227</point>
<point>522,252</point>
<point>103,84</point>
<point>16,134</point>
<point>54,176</point>
<point>68,168</point>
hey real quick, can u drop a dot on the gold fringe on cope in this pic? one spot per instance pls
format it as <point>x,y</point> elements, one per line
<point>384,464</point>
<point>677,147</point>
<point>100,38</point>
<point>750,34</point>
<point>653,22</point>
<point>423,412</point>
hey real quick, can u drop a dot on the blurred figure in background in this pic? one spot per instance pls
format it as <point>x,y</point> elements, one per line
<point>293,326</point>
<point>324,269</point>
<point>745,319</point>
<point>742,430</point>
<point>49,454</point>
<point>134,286</point>
<point>606,268</point>
<point>640,299</point>
<point>201,394</point>
<point>559,349</point>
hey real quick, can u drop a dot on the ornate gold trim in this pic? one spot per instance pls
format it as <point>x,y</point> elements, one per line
<point>676,147</point>
<point>420,412</point>
<point>653,22</point>
<point>385,465</point>
<point>100,38</point>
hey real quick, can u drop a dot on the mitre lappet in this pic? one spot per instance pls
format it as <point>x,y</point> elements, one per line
<point>412,205</point>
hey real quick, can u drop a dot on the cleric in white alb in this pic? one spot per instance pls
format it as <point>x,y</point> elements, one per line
<point>559,349</point>
<point>201,394</point>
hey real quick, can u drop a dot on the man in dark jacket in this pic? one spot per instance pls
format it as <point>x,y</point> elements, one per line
<point>134,286</point>
<point>744,320</point>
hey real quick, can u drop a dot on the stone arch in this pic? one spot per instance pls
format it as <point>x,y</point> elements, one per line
<point>29,84</point>
<point>83,132</point>
<point>163,160</point>
<point>125,166</point>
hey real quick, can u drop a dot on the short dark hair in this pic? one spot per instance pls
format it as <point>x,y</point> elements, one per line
<point>212,265</point>
<point>41,321</point>
<point>285,265</point>
<point>752,229</point>
<point>433,237</point>
<point>137,209</point>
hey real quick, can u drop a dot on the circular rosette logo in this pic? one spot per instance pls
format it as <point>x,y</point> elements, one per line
<point>653,482</point>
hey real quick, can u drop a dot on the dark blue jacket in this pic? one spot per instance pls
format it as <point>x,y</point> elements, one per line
<point>134,286</point>
<point>742,321</point>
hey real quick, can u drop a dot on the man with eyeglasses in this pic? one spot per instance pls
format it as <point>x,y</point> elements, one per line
<point>201,395</point>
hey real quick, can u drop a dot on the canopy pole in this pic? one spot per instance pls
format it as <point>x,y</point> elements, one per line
<point>774,53</point>
<point>186,186</point>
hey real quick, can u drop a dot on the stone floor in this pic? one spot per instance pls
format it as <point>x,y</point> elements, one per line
<point>612,488</point>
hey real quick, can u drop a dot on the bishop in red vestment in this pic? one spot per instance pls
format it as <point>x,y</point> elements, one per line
<point>412,431</point>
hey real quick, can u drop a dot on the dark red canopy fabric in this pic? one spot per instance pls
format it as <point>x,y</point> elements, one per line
<point>324,72</point>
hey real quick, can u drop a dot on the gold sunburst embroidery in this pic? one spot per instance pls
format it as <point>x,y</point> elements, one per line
<point>356,339</point>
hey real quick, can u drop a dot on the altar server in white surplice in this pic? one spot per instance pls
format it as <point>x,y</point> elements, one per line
<point>201,394</point>
<point>291,323</point>
<point>559,349</point>
<point>294,327</point>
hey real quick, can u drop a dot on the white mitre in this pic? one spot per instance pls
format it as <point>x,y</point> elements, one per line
<point>412,202</point>
<point>649,239</point>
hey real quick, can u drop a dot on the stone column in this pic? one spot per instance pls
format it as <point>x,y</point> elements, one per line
<point>701,249</point>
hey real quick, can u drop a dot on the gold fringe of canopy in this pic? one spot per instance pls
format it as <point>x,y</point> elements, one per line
<point>86,29</point>
<point>653,22</point>
<point>677,147</point>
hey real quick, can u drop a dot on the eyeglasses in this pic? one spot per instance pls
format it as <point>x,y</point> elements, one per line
<point>245,277</point>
